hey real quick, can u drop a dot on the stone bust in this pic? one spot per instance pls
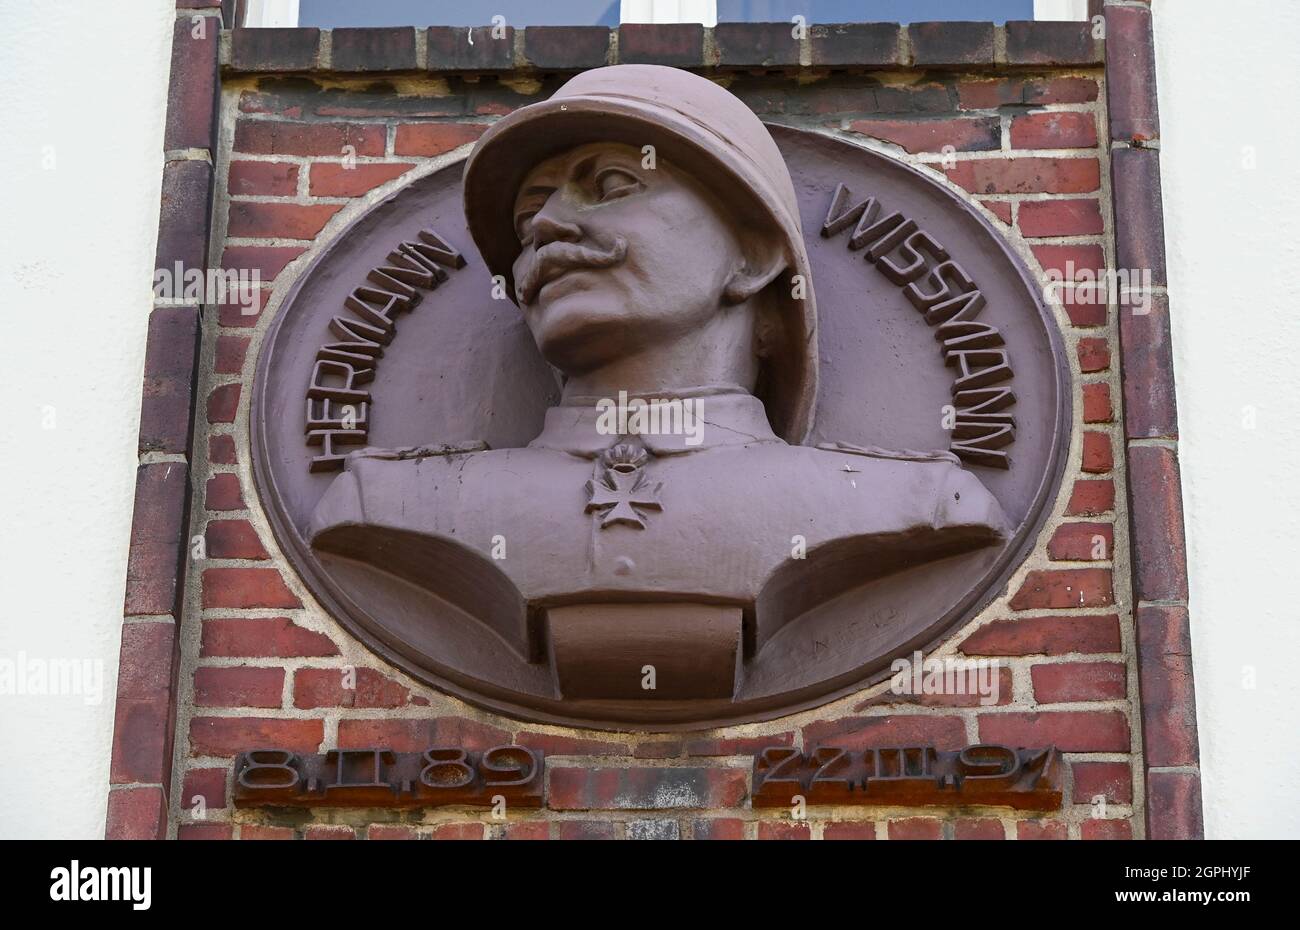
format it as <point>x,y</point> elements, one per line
<point>667,517</point>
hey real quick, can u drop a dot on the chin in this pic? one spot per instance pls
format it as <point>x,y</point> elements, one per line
<point>579,330</point>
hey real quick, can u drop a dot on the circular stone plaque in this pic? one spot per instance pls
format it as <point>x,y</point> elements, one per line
<point>459,372</point>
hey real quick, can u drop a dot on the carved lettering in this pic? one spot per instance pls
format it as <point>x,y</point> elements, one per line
<point>341,367</point>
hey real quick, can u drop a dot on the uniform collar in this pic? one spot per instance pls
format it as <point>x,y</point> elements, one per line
<point>724,419</point>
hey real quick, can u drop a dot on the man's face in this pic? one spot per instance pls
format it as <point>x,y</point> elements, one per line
<point>616,255</point>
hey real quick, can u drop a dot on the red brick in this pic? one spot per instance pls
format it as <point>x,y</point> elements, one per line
<point>849,830</point>
<point>240,686</point>
<point>230,354</point>
<point>323,687</point>
<point>167,401</point>
<point>1042,43</point>
<point>970,699</point>
<point>1028,175</point>
<point>566,48</point>
<point>209,784</point>
<point>1167,687</point>
<point>584,830</point>
<point>390,831</point>
<point>263,179</point>
<point>419,735</point>
<point>1106,830</point>
<point>783,830</point>
<point>1094,354</point>
<point>277,637</point>
<point>335,180</point>
<point>261,220</point>
<point>223,403</point>
<point>916,828</point>
<point>857,733</point>
<point>138,813</point>
<point>1156,513</point>
<point>1067,730</point>
<point>529,830</point>
<point>1091,497</point>
<point>754,45</point>
<point>1150,408</point>
<point>192,94</point>
<point>1054,130</point>
<point>430,139</point>
<point>645,788</point>
<point>221,450</point>
<point>719,828</point>
<point>253,831</point>
<point>329,832</point>
<point>1083,310</point>
<point>229,736</point>
<point>223,492</point>
<point>1079,681</point>
<point>1064,588</point>
<point>1060,90</point>
<point>1045,636</point>
<point>738,746</point>
<point>1097,407</point>
<point>951,43</point>
<point>233,313</point>
<point>1043,218</point>
<point>1131,75</point>
<point>1111,780</point>
<point>371,49</point>
<point>267,260</point>
<point>233,539</point>
<point>458,831</point>
<point>1098,457</point>
<point>678,45</point>
<point>1078,542</point>
<point>987,95</point>
<point>1071,263</point>
<point>205,831</point>
<point>144,713</point>
<point>999,208</point>
<point>978,134</point>
<point>1174,806</point>
<point>561,745</point>
<point>276,49</point>
<point>159,539</point>
<point>978,829</point>
<point>1040,830</point>
<point>274,137</point>
<point>246,587</point>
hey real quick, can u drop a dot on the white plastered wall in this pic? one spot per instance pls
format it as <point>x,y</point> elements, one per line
<point>1227,89</point>
<point>84,98</point>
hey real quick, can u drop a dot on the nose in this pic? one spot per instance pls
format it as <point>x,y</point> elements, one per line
<point>549,227</point>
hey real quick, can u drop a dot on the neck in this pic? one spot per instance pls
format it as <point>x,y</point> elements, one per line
<point>716,358</point>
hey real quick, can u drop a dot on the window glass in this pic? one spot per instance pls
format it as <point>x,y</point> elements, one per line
<point>873,11</point>
<point>517,13</point>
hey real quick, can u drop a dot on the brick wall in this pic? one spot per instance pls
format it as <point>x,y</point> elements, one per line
<point>261,664</point>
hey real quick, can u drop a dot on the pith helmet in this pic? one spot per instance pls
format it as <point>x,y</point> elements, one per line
<point>695,125</point>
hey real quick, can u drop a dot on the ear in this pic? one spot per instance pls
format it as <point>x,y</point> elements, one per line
<point>764,259</point>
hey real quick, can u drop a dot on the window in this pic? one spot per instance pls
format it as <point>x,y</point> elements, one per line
<point>523,13</point>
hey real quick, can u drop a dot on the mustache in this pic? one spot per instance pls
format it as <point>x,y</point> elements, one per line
<point>557,258</point>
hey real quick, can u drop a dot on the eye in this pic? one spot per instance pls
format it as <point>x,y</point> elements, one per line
<point>612,183</point>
